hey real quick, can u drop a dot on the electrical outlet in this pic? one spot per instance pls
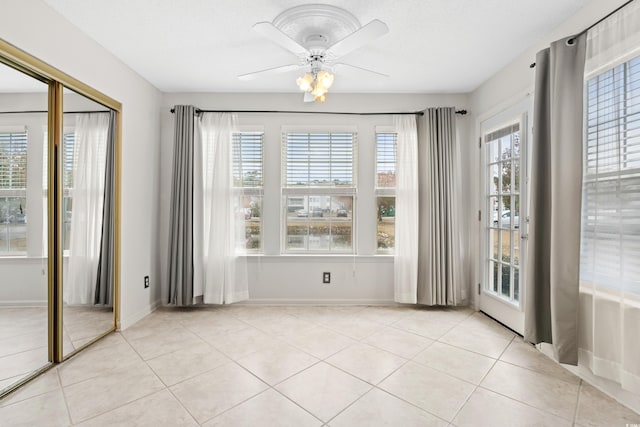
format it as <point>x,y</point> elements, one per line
<point>326,277</point>
<point>146,282</point>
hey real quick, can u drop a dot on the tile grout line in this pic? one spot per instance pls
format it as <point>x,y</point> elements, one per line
<point>575,410</point>
<point>64,396</point>
<point>524,403</point>
<point>350,405</point>
<point>379,328</point>
<point>166,387</point>
<point>376,386</point>
<point>530,370</point>
<point>545,374</point>
<point>269,387</point>
<point>119,406</point>
<point>324,360</point>
<point>476,386</point>
<point>296,403</point>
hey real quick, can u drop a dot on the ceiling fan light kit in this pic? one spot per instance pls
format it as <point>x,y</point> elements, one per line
<point>317,83</point>
<point>318,35</point>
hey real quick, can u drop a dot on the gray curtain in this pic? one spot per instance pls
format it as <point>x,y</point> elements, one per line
<point>105,276</point>
<point>181,215</point>
<point>439,255</point>
<point>551,313</point>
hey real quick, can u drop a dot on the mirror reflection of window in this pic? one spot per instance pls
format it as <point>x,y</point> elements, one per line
<point>23,259</point>
<point>88,208</point>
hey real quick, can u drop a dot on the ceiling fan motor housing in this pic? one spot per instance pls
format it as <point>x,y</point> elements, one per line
<point>317,26</point>
<point>317,44</point>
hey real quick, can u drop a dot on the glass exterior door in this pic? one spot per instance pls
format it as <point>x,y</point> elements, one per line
<point>504,164</point>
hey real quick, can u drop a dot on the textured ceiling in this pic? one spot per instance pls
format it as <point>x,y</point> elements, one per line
<point>433,46</point>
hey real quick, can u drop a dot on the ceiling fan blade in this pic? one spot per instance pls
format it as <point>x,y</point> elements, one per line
<point>341,64</point>
<point>364,35</point>
<point>274,70</point>
<point>273,33</point>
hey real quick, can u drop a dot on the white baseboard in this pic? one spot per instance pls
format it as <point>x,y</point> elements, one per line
<point>128,321</point>
<point>26,303</point>
<point>315,301</point>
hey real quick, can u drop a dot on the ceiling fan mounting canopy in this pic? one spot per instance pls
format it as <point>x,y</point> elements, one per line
<point>306,22</point>
<point>318,35</point>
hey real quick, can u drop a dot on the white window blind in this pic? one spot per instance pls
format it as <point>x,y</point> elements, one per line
<point>247,159</point>
<point>68,159</point>
<point>13,160</point>
<point>13,192</point>
<point>319,191</point>
<point>247,169</point>
<point>318,159</point>
<point>611,186</point>
<point>386,160</point>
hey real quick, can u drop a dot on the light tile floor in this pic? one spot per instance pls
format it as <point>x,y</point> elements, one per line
<point>315,366</point>
<point>23,336</point>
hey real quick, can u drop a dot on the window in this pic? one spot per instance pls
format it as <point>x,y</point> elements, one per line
<point>318,190</point>
<point>69,157</point>
<point>611,183</point>
<point>386,190</point>
<point>248,185</point>
<point>13,192</point>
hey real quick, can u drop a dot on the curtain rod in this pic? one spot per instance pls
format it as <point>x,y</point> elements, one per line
<point>596,23</point>
<point>45,111</point>
<point>420,113</point>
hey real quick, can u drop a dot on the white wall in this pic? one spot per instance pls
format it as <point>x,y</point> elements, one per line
<point>35,28</point>
<point>516,79</point>
<point>275,278</point>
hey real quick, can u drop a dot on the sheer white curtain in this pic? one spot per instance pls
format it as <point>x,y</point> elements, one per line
<point>609,321</point>
<point>91,132</point>
<point>406,256</point>
<point>220,272</point>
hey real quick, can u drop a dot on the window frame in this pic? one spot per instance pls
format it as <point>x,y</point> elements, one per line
<point>384,191</point>
<point>68,135</point>
<point>250,190</point>
<point>12,192</point>
<point>331,190</point>
<point>593,272</point>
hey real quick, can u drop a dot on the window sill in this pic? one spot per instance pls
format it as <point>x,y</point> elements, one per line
<point>340,258</point>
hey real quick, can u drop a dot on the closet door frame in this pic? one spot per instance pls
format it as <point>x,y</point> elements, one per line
<point>58,81</point>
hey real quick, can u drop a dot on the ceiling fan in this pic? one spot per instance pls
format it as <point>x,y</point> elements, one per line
<point>316,49</point>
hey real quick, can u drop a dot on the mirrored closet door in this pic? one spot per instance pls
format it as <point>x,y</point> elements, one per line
<point>23,219</point>
<point>59,216</point>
